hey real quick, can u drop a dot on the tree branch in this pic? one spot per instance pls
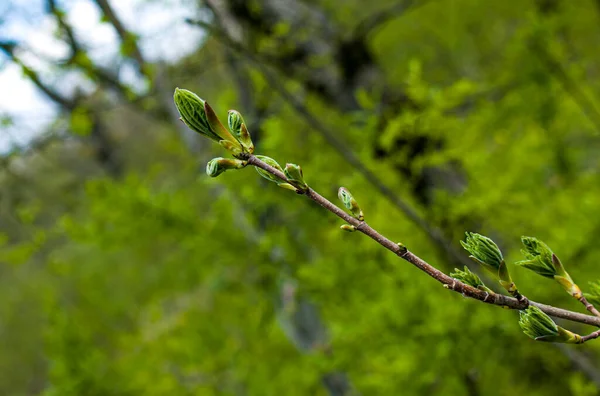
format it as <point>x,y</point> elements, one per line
<point>373,21</point>
<point>447,281</point>
<point>122,32</point>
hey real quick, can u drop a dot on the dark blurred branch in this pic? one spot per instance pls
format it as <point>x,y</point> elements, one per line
<point>91,69</point>
<point>126,37</point>
<point>381,17</point>
<point>586,105</point>
<point>52,94</point>
<point>581,363</point>
<point>103,147</point>
<point>65,27</point>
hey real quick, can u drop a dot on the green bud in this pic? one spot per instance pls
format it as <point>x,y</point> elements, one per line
<point>237,126</point>
<point>234,121</point>
<point>269,161</point>
<point>348,227</point>
<point>191,110</point>
<point>294,174</point>
<point>201,118</point>
<point>470,278</point>
<point>485,252</point>
<point>403,249</point>
<point>539,326</point>
<point>270,177</point>
<point>288,186</point>
<point>350,203</point>
<point>541,260</point>
<point>218,165</point>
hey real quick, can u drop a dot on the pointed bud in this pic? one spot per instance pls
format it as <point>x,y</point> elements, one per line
<point>348,227</point>
<point>191,109</point>
<point>218,165</point>
<point>271,162</point>
<point>539,326</point>
<point>350,203</point>
<point>485,252</point>
<point>470,278</point>
<point>541,260</point>
<point>294,174</point>
<point>288,186</point>
<point>201,118</point>
<point>237,126</point>
<point>270,177</point>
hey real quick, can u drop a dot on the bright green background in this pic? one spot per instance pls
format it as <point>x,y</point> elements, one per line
<point>162,281</point>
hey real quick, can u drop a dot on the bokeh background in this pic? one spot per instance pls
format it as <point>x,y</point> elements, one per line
<point>125,270</point>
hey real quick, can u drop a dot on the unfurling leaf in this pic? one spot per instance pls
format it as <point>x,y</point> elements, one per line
<point>540,259</point>
<point>237,126</point>
<point>485,252</point>
<point>539,326</point>
<point>201,118</point>
<point>350,203</point>
<point>191,110</point>
<point>468,277</point>
<point>294,174</point>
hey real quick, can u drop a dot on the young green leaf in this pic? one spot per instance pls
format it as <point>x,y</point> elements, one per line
<point>540,259</point>
<point>350,203</point>
<point>485,252</point>
<point>539,326</point>
<point>468,277</point>
<point>294,174</point>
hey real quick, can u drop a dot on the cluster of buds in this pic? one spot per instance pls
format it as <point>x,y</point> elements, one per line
<point>485,252</point>
<point>197,114</point>
<point>540,259</point>
<point>292,172</point>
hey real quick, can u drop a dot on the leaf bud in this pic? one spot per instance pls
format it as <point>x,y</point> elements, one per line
<point>294,174</point>
<point>218,165</point>
<point>540,259</point>
<point>237,126</point>
<point>350,203</point>
<point>539,326</point>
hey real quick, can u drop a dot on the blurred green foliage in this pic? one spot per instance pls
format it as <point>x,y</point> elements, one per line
<point>162,281</point>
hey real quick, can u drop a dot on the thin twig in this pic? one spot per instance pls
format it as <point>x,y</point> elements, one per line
<point>590,336</point>
<point>447,281</point>
<point>589,306</point>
